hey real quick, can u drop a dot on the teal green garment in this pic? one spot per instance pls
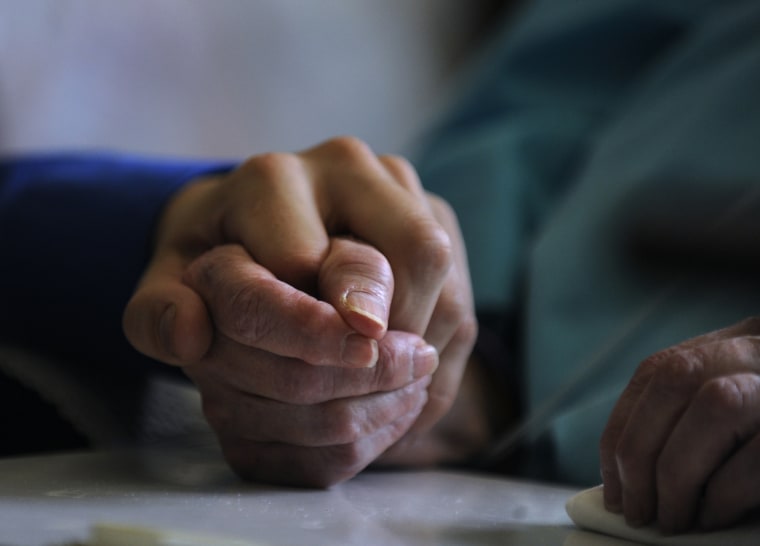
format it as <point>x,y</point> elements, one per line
<point>582,118</point>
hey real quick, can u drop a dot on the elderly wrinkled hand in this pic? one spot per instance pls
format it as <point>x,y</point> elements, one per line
<point>290,397</point>
<point>682,444</point>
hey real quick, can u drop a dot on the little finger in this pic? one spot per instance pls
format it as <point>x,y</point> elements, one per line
<point>341,421</point>
<point>311,466</point>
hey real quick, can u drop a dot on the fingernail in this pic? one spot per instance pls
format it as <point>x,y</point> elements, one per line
<point>359,351</point>
<point>166,327</point>
<point>366,304</point>
<point>425,360</point>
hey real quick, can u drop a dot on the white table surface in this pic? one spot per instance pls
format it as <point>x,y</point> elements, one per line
<point>52,499</point>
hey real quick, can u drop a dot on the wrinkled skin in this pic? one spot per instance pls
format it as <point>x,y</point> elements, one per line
<point>321,303</point>
<point>682,445</point>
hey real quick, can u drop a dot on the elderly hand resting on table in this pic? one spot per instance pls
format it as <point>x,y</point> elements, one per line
<point>682,445</point>
<point>321,303</point>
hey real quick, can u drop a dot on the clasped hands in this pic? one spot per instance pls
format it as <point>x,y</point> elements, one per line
<point>321,303</point>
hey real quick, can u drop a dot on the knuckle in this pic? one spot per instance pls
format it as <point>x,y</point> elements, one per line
<point>270,167</point>
<point>726,395</point>
<point>454,310</point>
<point>341,424</point>
<point>306,387</point>
<point>442,208</point>
<point>249,321</point>
<point>203,270</point>
<point>404,172</point>
<point>431,247</point>
<point>269,177</point>
<point>661,358</point>
<point>349,148</point>
<point>744,352</point>
<point>679,373</point>
<point>209,270</point>
<point>750,325</point>
<point>647,369</point>
<point>650,364</point>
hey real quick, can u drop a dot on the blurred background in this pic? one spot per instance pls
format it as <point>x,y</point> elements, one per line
<point>227,78</point>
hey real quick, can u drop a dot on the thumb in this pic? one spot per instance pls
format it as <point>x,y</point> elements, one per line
<point>357,280</point>
<point>165,319</point>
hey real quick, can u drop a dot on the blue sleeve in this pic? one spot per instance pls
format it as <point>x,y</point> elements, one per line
<point>75,235</point>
